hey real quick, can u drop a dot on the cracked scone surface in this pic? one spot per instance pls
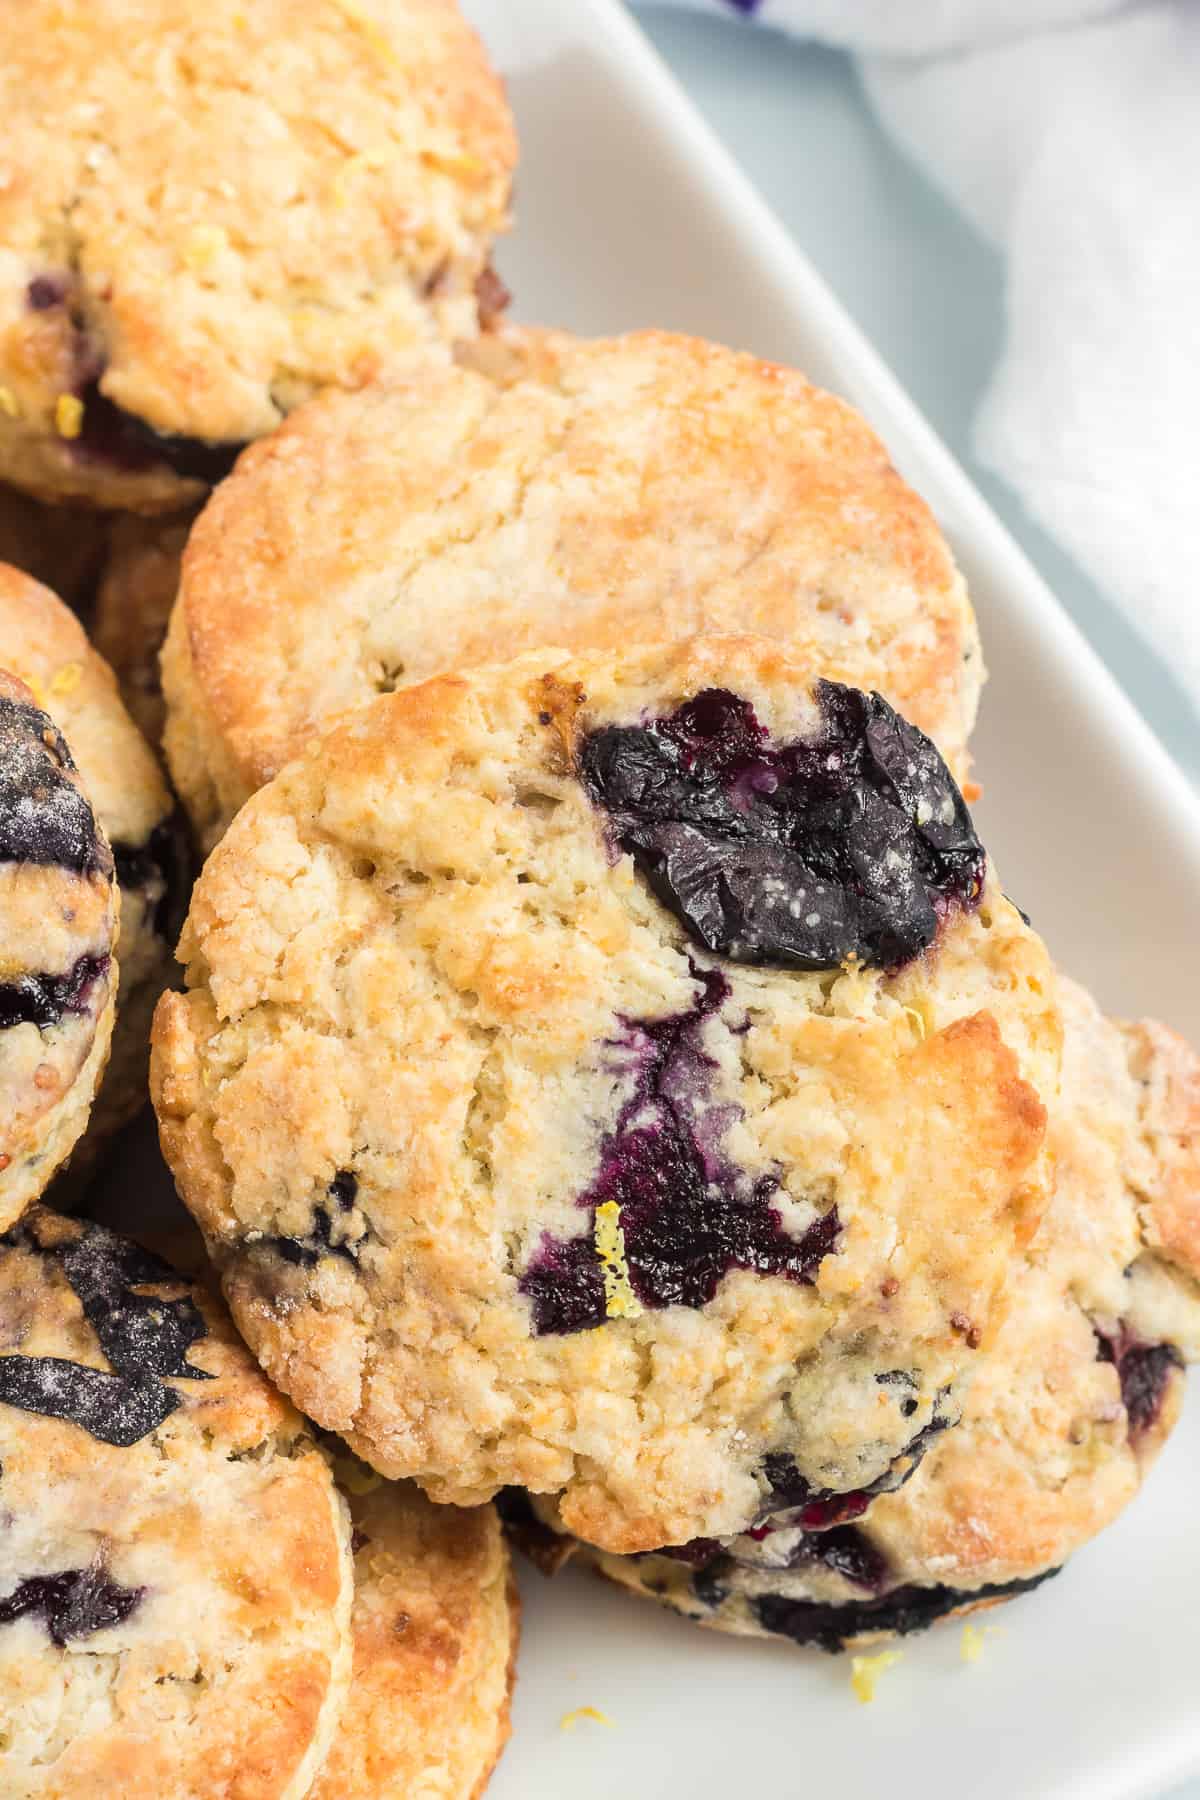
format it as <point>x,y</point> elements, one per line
<point>435,1627</point>
<point>58,931</point>
<point>425,985</point>
<point>45,645</point>
<point>1065,1415</point>
<point>176,1585</point>
<point>207,214</point>
<point>593,494</point>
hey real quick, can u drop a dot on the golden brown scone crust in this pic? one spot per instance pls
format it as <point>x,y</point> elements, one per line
<point>58,933</point>
<point>435,1623</point>
<point>216,210</point>
<point>1048,1452</point>
<point>44,643</point>
<point>138,582</point>
<point>227,1675</point>
<point>62,546</point>
<point>408,962</point>
<point>593,494</point>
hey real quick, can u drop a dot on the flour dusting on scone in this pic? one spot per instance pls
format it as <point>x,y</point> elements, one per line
<point>620,1077</point>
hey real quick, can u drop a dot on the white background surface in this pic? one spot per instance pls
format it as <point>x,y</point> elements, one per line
<point>923,287</point>
<point>1087,1690</point>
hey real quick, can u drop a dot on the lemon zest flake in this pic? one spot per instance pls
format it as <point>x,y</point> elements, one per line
<point>452,162</point>
<point>68,415</point>
<point>620,1301</point>
<point>974,1640</point>
<point>204,245</point>
<point>8,403</point>
<point>371,29</point>
<point>67,679</point>
<point>918,1022</point>
<point>361,162</point>
<point>570,1720</point>
<point>866,1670</point>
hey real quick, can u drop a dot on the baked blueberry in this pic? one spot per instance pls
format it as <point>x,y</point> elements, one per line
<point>848,843</point>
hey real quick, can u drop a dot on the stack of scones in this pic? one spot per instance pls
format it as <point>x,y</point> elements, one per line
<point>603,1064</point>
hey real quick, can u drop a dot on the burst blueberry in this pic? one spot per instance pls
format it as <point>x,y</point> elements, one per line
<point>854,842</point>
<point>688,1215</point>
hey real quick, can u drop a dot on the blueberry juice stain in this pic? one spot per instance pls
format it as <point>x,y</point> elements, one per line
<point>851,843</point>
<point>687,1215</point>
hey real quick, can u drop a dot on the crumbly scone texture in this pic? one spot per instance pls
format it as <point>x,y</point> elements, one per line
<point>435,1627</point>
<point>174,1609</point>
<point>593,494</point>
<point>58,933</point>
<point>43,642</point>
<point>1066,1414</point>
<point>409,965</point>
<point>63,546</point>
<point>136,590</point>
<point>212,212</point>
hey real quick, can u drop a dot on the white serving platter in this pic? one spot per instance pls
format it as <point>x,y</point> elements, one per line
<point>631,214</point>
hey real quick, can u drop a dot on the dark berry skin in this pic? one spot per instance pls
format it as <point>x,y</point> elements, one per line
<point>843,1549</point>
<point>816,1509</point>
<point>1144,1371</point>
<point>688,1215</point>
<point>47,291</point>
<point>321,1240</point>
<point>45,1000</point>
<point>120,439</point>
<point>144,1337</point>
<point>798,856</point>
<point>108,433</point>
<point>44,818</point>
<point>74,1604</point>
<point>165,860</point>
<point>902,1611</point>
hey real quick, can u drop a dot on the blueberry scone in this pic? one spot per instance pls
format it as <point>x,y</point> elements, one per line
<point>619,1077</point>
<point>558,491</point>
<point>58,931</point>
<point>435,1630</point>
<point>63,546</point>
<point>176,1584</point>
<point>1064,1417</point>
<point>135,591</point>
<point>208,213</point>
<point>45,645</point>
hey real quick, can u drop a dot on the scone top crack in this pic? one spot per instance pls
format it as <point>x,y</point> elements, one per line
<point>211,213</point>
<point>420,958</point>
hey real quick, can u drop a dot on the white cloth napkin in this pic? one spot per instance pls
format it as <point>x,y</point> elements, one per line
<point>1069,132</point>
